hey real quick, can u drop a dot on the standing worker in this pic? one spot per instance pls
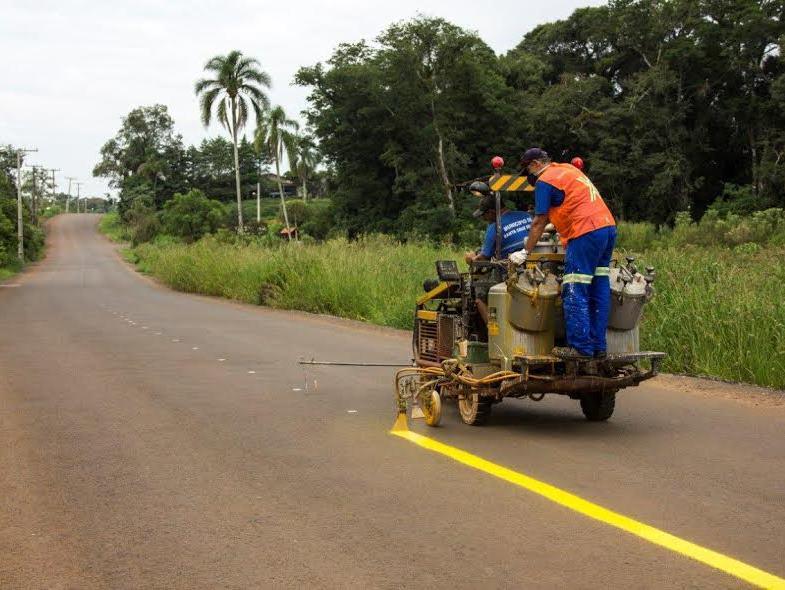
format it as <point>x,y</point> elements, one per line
<point>566,197</point>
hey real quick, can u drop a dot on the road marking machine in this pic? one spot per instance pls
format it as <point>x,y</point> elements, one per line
<point>487,334</point>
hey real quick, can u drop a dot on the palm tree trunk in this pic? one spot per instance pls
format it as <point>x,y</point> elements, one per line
<point>283,201</point>
<point>240,227</point>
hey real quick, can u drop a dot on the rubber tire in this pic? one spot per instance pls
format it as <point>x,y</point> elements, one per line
<point>598,407</point>
<point>474,411</point>
<point>433,415</point>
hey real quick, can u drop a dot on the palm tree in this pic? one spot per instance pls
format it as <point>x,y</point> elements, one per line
<point>275,135</point>
<point>307,158</point>
<point>236,85</point>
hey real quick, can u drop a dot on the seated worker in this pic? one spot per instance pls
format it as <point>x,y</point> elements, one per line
<point>515,226</point>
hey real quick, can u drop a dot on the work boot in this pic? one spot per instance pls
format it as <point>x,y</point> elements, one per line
<point>570,353</point>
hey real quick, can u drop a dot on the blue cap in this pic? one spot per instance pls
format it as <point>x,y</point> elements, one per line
<point>533,153</point>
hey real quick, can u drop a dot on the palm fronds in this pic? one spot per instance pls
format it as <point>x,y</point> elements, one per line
<point>235,88</point>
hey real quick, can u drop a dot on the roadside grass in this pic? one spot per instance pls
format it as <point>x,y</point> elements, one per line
<point>7,273</point>
<point>112,227</point>
<point>374,279</point>
<point>718,312</point>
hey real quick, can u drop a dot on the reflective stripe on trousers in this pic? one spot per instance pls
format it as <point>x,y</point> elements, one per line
<point>586,289</point>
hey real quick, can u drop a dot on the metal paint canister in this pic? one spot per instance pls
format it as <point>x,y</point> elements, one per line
<point>627,300</point>
<point>533,305</point>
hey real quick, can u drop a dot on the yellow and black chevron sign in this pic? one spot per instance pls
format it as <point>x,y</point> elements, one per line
<point>510,183</point>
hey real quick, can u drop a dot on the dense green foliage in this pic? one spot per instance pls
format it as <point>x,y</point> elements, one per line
<point>745,233</point>
<point>717,311</point>
<point>34,235</point>
<point>672,104</point>
<point>191,216</point>
<point>147,159</point>
<point>149,165</point>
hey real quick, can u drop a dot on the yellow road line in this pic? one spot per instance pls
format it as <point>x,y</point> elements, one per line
<point>731,566</point>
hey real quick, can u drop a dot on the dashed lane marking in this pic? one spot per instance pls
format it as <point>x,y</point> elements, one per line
<point>724,563</point>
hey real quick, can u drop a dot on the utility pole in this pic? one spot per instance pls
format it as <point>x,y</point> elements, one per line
<point>68,200</point>
<point>33,210</point>
<point>20,249</point>
<point>78,193</point>
<point>54,184</point>
<point>259,193</point>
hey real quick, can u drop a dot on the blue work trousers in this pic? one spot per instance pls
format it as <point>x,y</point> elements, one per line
<point>586,290</point>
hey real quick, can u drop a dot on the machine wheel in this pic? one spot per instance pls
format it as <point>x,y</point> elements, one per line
<point>431,406</point>
<point>598,407</point>
<point>474,410</point>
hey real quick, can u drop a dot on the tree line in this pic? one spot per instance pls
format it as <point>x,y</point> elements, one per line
<point>675,105</point>
<point>147,158</point>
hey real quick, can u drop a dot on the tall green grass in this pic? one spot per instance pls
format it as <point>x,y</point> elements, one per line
<point>372,279</point>
<point>111,226</point>
<point>718,312</point>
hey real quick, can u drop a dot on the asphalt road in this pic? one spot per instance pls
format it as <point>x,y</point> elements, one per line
<point>153,439</point>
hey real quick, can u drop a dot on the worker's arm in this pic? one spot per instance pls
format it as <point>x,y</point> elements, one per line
<point>538,226</point>
<point>470,257</point>
<point>545,197</point>
<point>487,249</point>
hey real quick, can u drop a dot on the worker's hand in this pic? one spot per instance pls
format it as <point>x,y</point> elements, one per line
<point>469,257</point>
<point>519,257</point>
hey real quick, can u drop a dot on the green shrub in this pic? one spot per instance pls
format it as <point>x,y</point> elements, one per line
<point>191,215</point>
<point>142,221</point>
<point>33,236</point>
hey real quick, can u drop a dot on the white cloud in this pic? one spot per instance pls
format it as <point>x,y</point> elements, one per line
<point>78,67</point>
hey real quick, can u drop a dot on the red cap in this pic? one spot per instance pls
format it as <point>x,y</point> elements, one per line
<point>577,162</point>
<point>497,162</point>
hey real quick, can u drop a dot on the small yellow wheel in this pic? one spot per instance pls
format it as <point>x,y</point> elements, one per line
<point>431,406</point>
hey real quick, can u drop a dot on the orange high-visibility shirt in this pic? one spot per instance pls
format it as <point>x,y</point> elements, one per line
<point>583,209</point>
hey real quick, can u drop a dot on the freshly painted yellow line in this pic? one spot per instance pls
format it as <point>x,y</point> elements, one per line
<point>731,566</point>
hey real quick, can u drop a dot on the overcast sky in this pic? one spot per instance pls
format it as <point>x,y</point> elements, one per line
<point>70,70</point>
